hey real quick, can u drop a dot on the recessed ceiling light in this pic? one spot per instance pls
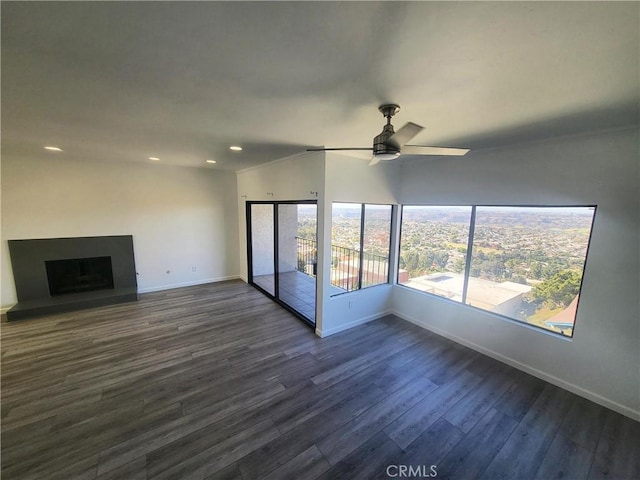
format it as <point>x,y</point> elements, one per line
<point>154,158</point>
<point>53,149</point>
<point>211,161</point>
<point>235,148</point>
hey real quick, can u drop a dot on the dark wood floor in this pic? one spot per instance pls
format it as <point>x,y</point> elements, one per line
<point>218,382</point>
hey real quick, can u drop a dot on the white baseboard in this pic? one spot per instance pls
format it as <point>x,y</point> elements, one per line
<point>354,323</point>
<point>187,284</point>
<point>594,397</point>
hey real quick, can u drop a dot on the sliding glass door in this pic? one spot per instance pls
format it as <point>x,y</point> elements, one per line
<point>262,246</point>
<point>282,256</point>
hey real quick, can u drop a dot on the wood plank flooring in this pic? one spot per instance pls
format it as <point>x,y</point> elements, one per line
<point>219,382</point>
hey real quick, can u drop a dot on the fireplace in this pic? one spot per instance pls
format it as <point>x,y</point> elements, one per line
<point>63,274</point>
<point>78,275</point>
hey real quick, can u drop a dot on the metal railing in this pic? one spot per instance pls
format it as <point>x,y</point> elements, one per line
<point>345,265</point>
<point>307,256</point>
<point>375,269</point>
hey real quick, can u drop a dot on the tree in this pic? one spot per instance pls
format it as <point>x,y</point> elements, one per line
<point>536,270</point>
<point>441,259</point>
<point>559,290</point>
<point>459,265</point>
<point>519,279</point>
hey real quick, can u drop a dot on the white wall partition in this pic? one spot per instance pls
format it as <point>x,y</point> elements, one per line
<point>350,179</point>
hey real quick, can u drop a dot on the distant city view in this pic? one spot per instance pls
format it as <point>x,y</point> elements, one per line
<point>359,249</point>
<point>527,262</point>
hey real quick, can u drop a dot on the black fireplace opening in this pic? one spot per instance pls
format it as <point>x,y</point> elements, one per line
<point>79,275</point>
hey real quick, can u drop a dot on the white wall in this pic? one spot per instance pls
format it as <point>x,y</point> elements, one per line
<point>350,179</point>
<point>602,361</point>
<point>179,217</point>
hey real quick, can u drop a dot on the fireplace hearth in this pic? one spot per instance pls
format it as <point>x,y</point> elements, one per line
<point>63,274</point>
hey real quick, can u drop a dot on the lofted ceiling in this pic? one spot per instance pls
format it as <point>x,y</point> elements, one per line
<point>182,81</point>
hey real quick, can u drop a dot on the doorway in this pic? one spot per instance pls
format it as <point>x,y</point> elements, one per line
<point>282,253</point>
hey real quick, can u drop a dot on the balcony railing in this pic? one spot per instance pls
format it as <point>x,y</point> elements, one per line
<point>375,269</point>
<point>307,256</point>
<point>345,265</point>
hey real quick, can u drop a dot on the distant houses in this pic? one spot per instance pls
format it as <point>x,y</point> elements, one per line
<point>504,298</point>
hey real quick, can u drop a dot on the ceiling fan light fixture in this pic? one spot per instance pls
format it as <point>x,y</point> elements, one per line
<point>387,156</point>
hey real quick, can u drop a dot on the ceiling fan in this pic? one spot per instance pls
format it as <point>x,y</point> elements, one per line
<point>390,144</point>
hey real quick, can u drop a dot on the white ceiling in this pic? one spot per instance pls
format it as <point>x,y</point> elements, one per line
<point>183,81</point>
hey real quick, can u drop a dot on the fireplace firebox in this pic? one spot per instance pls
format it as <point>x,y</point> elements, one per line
<point>78,275</point>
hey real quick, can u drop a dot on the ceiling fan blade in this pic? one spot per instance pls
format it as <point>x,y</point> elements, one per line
<point>335,149</point>
<point>361,154</point>
<point>402,136</point>
<point>364,153</point>
<point>374,161</point>
<point>424,150</point>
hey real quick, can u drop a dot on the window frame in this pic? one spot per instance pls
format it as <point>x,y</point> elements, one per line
<point>469,256</point>
<point>361,244</point>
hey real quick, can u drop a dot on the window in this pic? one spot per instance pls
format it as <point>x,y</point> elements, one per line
<point>376,238</point>
<point>360,239</point>
<point>433,249</point>
<point>524,263</point>
<point>346,224</point>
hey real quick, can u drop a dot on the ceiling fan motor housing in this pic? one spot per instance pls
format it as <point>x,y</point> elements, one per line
<point>380,147</point>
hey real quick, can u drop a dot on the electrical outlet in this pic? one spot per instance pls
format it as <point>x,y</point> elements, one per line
<point>350,305</point>
<point>193,268</point>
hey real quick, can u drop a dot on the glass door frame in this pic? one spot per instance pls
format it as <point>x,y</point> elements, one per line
<point>276,295</point>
